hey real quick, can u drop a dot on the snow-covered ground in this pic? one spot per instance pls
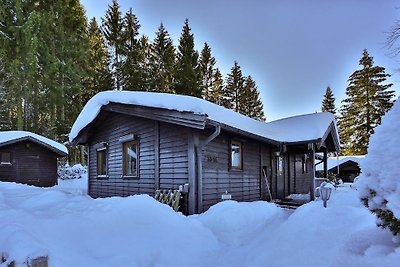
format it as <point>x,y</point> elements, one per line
<point>76,230</point>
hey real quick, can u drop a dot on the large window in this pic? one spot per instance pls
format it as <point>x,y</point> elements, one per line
<point>5,158</point>
<point>130,158</point>
<point>236,155</point>
<point>102,162</point>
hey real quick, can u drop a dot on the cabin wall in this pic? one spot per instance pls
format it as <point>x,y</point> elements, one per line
<point>301,178</point>
<point>243,185</point>
<point>30,164</point>
<point>163,157</point>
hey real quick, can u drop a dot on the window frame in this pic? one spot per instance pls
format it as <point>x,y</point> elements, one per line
<point>105,151</point>
<point>6,163</point>
<point>125,158</point>
<point>240,145</point>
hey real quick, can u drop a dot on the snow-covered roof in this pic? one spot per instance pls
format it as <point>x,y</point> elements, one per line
<point>335,161</point>
<point>292,129</point>
<point>9,137</point>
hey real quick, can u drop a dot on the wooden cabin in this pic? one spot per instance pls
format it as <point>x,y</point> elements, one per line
<point>345,167</point>
<point>139,142</point>
<point>29,158</point>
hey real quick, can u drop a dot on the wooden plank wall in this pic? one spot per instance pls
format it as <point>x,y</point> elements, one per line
<point>31,164</point>
<point>109,128</point>
<point>301,180</point>
<point>217,178</point>
<point>173,155</point>
<point>172,158</point>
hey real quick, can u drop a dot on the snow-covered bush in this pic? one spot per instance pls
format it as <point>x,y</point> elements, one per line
<point>379,183</point>
<point>66,172</point>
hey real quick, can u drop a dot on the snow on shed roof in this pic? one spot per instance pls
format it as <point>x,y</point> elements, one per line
<point>292,129</point>
<point>9,137</point>
<point>335,161</point>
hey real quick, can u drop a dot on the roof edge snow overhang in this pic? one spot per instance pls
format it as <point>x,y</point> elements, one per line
<point>34,140</point>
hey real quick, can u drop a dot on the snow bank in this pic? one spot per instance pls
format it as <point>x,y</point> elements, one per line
<point>381,167</point>
<point>9,136</point>
<point>298,128</point>
<point>76,230</point>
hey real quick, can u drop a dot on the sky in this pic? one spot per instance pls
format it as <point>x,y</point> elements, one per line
<point>292,49</point>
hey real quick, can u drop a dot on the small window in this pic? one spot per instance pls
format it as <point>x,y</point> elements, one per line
<point>304,164</point>
<point>5,158</point>
<point>236,154</point>
<point>102,162</point>
<point>130,158</point>
<point>279,166</point>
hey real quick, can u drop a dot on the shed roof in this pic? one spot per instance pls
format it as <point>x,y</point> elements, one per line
<point>10,137</point>
<point>333,162</point>
<point>289,130</point>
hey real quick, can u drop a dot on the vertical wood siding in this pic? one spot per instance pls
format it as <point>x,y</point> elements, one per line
<point>31,164</point>
<point>217,178</point>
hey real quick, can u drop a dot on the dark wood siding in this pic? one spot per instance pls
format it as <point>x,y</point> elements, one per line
<point>173,155</point>
<point>301,180</point>
<point>30,164</point>
<point>172,158</point>
<point>243,185</point>
<point>109,128</point>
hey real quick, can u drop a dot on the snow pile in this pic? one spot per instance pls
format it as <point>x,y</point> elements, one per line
<point>379,183</point>
<point>293,129</point>
<point>76,230</point>
<point>66,172</point>
<point>8,137</point>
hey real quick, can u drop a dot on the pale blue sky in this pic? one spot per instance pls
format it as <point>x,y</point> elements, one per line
<point>293,49</point>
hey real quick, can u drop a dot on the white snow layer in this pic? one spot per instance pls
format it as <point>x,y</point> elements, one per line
<point>381,166</point>
<point>76,230</point>
<point>335,161</point>
<point>8,136</point>
<point>293,129</point>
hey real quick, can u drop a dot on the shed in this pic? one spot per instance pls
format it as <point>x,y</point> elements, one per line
<point>345,167</point>
<point>29,158</point>
<point>140,142</point>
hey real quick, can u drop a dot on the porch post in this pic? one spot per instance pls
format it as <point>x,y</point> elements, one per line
<point>326,163</point>
<point>312,173</point>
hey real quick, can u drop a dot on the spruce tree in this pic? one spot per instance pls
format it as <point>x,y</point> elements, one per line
<point>113,32</point>
<point>187,77</point>
<point>368,99</point>
<point>328,103</point>
<point>162,61</point>
<point>206,66</point>
<point>145,63</point>
<point>216,93</point>
<point>234,89</point>
<point>251,104</point>
<point>99,77</point>
<point>131,71</point>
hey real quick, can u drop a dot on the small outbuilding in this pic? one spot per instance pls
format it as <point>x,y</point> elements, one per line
<point>345,167</point>
<point>140,142</point>
<point>29,158</point>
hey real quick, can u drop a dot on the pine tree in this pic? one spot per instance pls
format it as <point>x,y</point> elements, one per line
<point>328,103</point>
<point>216,93</point>
<point>187,77</point>
<point>99,77</point>
<point>368,99</point>
<point>206,66</point>
<point>113,32</point>
<point>251,104</point>
<point>162,61</point>
<point>131,71</point>
<point>234,89</point>
<point>145,63</point>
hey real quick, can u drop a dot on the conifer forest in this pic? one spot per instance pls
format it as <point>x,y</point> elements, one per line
<point>53,59</point>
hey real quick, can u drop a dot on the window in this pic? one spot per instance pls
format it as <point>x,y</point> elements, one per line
<point>304,163</point>
<point>5,158</point>
<point>236,155</point>
<point>279,167</point>
<point>102,162</point>
<point>130,159</point>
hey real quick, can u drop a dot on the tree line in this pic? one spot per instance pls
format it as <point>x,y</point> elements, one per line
<point>53,60</point>
<point>368,98</point>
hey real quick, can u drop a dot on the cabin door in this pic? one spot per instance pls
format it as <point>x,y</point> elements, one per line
<point>29,170</point>
<point>280,177</point>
